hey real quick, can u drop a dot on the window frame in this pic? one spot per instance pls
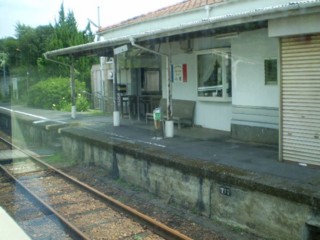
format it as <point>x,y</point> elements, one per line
<point>268,74</point>
<point>225,59</point>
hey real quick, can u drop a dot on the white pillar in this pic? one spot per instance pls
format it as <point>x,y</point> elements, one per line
<point>169,129</point>
<point>116,118</point>
<point>73,112</point>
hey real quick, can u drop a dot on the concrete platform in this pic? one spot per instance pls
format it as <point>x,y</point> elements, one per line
<point>195,143</point>
<point>9,229</point>
<point>206,164</point>
<point>11,154</point>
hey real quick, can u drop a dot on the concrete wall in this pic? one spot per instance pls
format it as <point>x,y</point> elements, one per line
<point>249,51</point>
<point>208,113</point>
<point>270,210</point>
<point>296,25</point>
<point>251,205</point>
<point>255,114</point>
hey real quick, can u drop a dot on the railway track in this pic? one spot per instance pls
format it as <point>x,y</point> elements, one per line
<point>84,211</point>
<point>35,220</point>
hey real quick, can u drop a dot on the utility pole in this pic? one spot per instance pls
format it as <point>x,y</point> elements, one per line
<point>96,25</point>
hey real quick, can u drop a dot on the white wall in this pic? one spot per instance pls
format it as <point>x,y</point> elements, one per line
<point>249,52</point>
<point>208,114</point>
<point>188,90</point>
<point>294,25</point>
<point>215,115</point>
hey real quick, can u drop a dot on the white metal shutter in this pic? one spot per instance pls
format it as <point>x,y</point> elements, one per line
<point>300,99</point>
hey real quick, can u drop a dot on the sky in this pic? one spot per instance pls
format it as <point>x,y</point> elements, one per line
<point>42,12</point>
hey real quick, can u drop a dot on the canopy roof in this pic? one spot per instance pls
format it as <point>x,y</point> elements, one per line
<point>250,18</point>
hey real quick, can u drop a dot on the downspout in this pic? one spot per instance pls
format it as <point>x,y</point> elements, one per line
<point>169,85</point>
<point>73,97</point>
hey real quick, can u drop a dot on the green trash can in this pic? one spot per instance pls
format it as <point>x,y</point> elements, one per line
<point>157,118</point>
<point>157,114</point>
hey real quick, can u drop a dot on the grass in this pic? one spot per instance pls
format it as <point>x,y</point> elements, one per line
<point>58,159</point>
<point>96,112</point>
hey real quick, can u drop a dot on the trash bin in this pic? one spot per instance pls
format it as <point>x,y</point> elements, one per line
<point>157,117</point>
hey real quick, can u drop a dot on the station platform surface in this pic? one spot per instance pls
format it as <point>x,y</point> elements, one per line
<point>11,154</point>
<point>197,143</point>
<point>9,229</point>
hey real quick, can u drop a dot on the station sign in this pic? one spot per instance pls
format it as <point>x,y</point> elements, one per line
<point>121,49</point>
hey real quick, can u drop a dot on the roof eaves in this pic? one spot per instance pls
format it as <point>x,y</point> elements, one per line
<point>86,49</point>
<point>220,21</point>
<point>184,8</point>
<point>225,19</point>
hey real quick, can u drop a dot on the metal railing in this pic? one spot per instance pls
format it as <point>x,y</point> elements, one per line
<point>96,100</point>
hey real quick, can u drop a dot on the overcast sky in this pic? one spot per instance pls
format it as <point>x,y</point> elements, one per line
<point>42,12</point>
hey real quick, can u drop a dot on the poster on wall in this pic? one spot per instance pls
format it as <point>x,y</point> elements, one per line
<point>179,73</point>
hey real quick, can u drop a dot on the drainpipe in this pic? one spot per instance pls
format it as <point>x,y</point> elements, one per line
<point>169,123</point>
<point>73,97</point>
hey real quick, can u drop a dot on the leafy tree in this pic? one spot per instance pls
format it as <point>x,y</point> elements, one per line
<point>25,52</point>
<point>66,34</point>
<point>9,46</point>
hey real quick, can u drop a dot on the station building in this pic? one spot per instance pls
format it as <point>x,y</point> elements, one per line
<point>252,68</point>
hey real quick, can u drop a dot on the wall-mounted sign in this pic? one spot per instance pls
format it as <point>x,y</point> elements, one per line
<point>179,73</point>
<point>121,49</point>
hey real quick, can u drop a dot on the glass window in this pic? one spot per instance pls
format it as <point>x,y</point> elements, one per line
<point>151,82</point>
<point>214,74</point>
<point>270,71</point>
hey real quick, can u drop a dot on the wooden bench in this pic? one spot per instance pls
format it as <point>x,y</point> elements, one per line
<point>183,111</point>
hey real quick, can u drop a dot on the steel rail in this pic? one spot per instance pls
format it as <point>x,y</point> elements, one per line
<point>157,227</point>
<point>72,230</point>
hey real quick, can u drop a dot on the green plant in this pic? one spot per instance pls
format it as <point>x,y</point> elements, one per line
<point>55,93</point>
<point>137,237</point>
<point>58,159</point>
<point>82,103</point>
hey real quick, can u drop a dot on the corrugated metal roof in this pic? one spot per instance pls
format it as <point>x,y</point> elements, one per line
<point>263,13</point>
<point>166,11</point>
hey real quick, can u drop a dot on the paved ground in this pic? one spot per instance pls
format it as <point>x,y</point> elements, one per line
<point>196,143</point>
<point>11,230</point>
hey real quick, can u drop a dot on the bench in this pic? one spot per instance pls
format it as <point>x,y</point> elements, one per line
<point>183,111</point>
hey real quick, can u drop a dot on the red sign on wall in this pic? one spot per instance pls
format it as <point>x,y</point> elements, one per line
<point>179,73</point>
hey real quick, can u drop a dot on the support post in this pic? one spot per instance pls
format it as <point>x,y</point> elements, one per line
<point>102,62</point>
<point>73,91</point>
<point>116,114</point>
<point>169,124</point>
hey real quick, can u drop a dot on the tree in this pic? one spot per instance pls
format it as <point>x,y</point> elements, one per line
<point>25,52</point>
<point>66,34</point>
<point>9,45</point>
